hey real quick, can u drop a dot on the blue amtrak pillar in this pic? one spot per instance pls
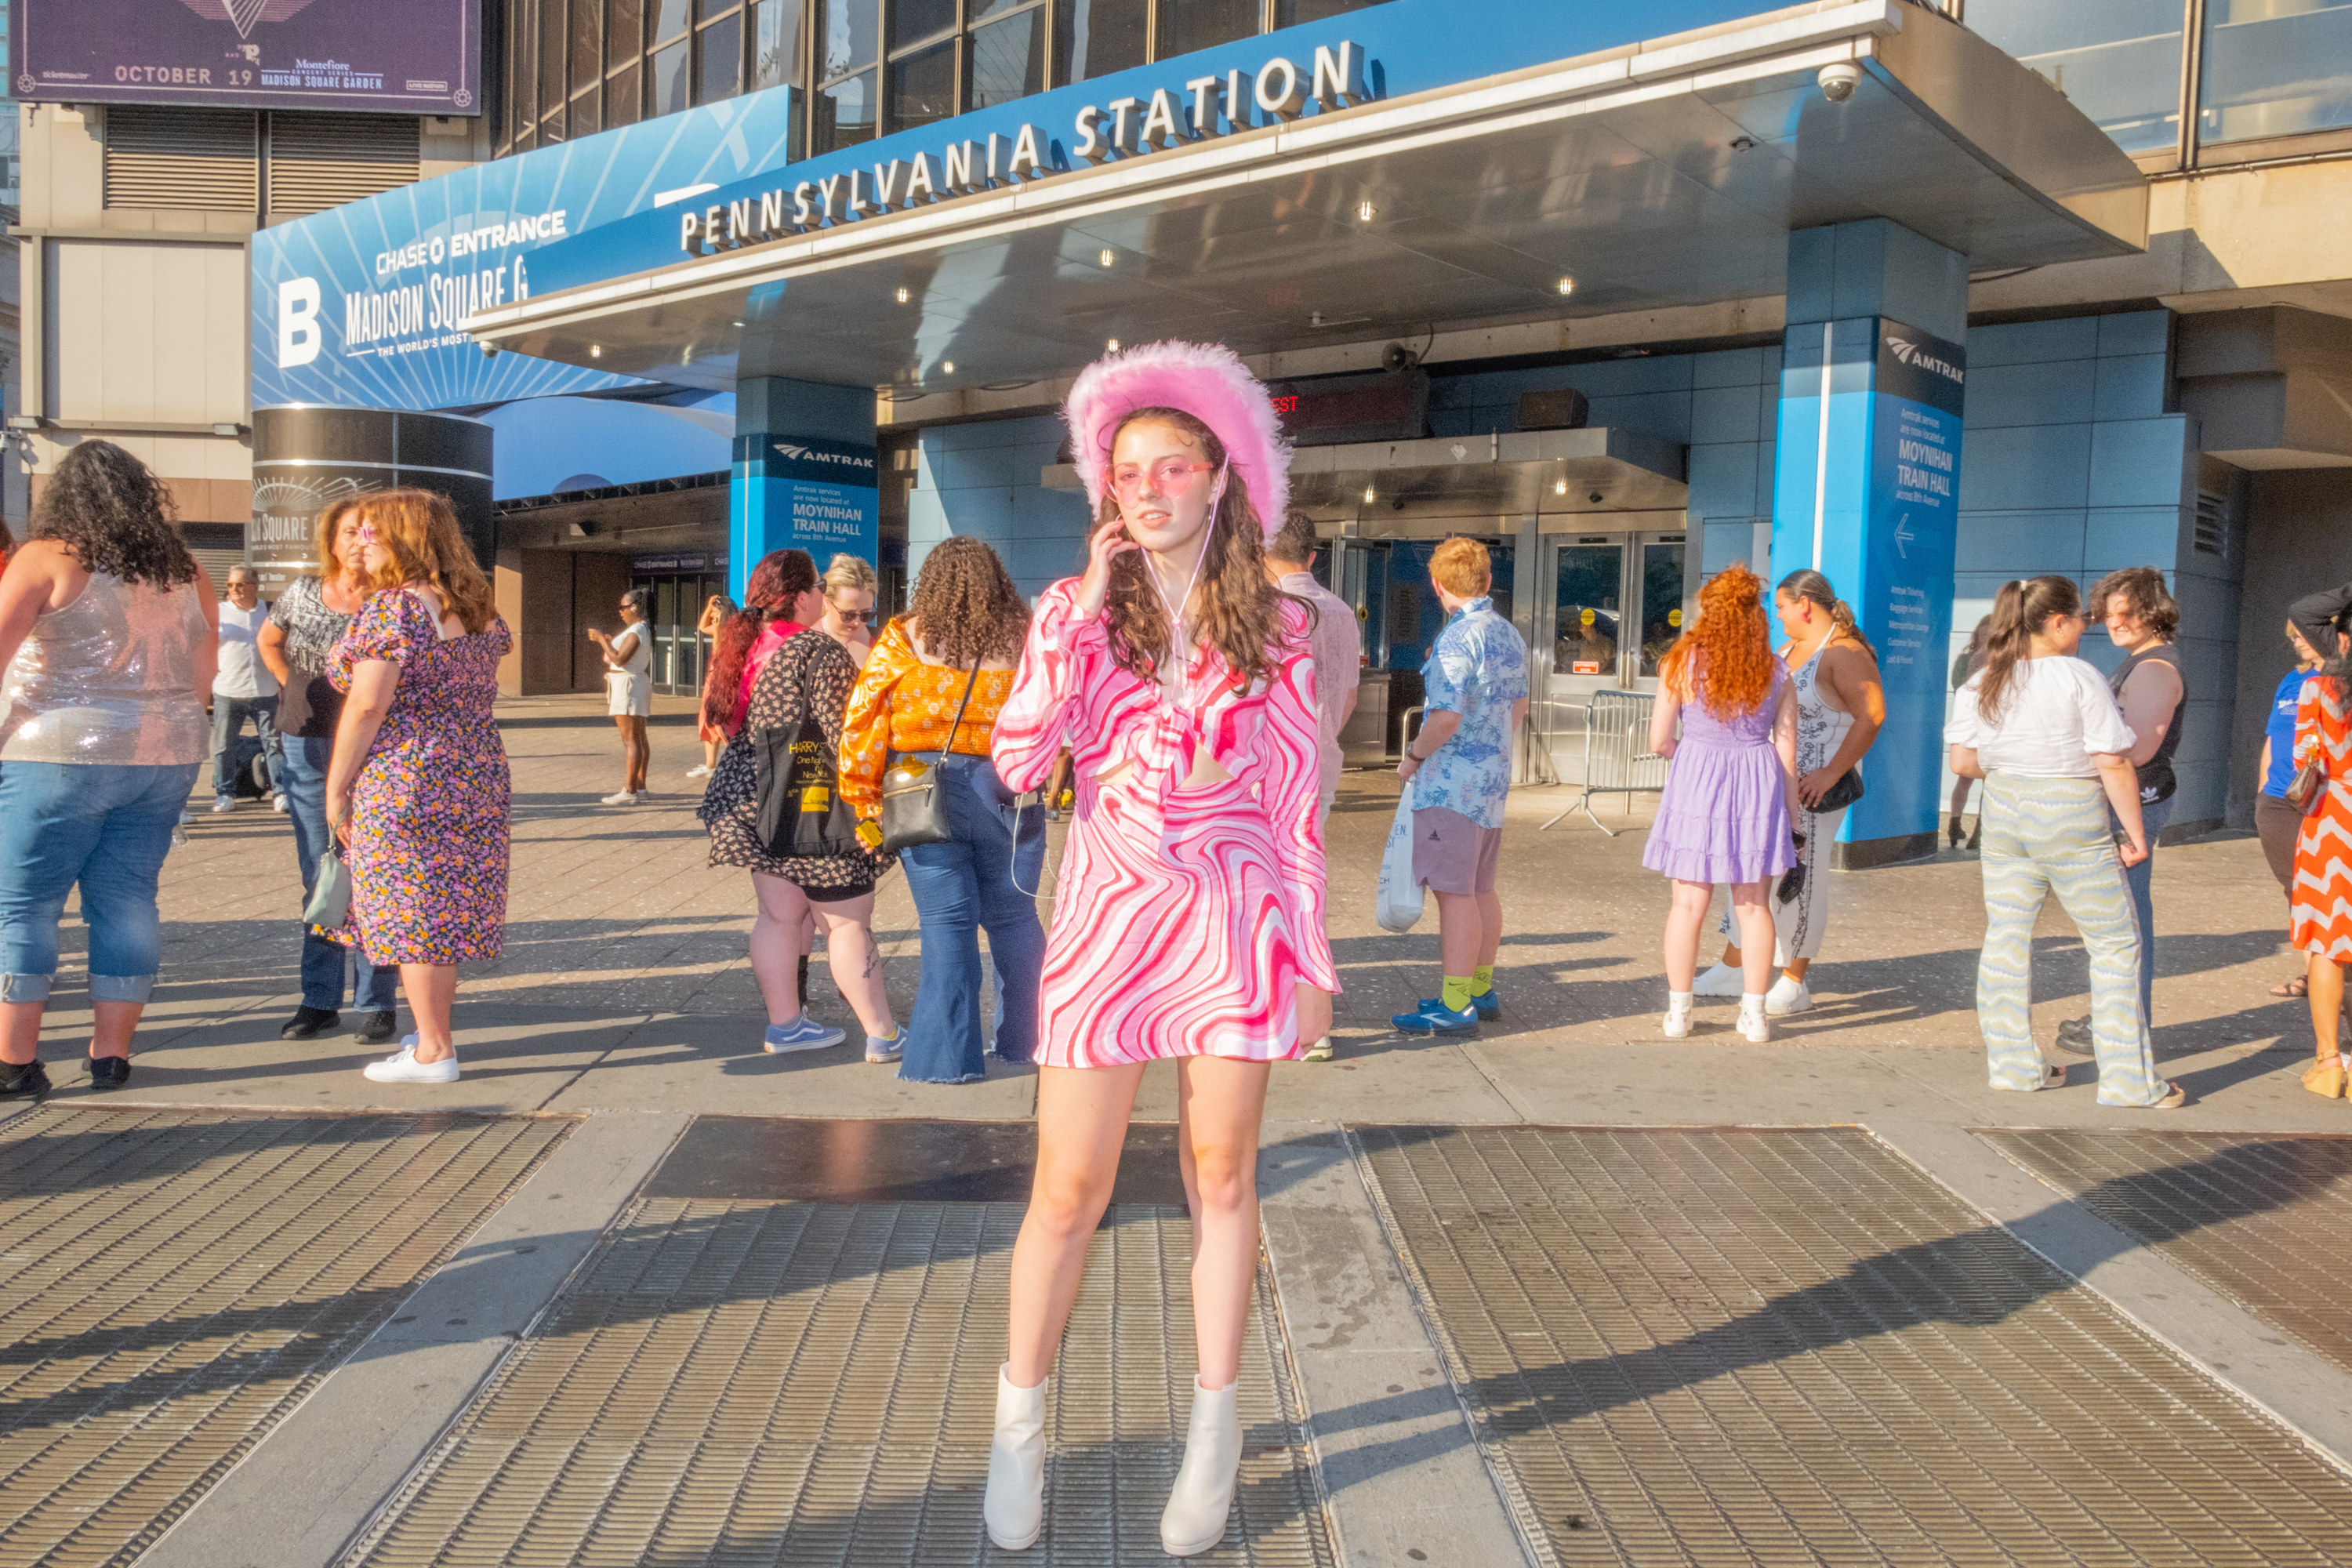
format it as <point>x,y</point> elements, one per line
<point>1865,488</point>
<point>804,475</point>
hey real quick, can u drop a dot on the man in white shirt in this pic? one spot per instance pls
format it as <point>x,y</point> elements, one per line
<point>1337,646</point>
<point>244,689</point>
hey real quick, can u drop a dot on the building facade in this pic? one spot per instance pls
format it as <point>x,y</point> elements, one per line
<point>1929,295</point>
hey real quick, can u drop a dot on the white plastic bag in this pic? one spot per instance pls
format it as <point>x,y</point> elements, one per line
<point>1398,904</point>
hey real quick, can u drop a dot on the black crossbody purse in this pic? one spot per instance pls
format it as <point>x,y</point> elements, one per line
<point>914,795</point>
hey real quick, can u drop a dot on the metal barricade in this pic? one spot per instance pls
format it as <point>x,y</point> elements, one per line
<point>1617,755</point>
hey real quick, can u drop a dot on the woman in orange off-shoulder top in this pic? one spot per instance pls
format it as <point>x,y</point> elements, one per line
<point>963,634</point>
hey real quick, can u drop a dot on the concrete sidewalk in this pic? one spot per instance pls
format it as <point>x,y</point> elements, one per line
<point>624,1001</point>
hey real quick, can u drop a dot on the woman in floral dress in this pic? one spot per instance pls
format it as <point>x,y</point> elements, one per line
<point>417,790</point>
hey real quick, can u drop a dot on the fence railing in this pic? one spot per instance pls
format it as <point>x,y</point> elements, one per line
<point>1617,755</point>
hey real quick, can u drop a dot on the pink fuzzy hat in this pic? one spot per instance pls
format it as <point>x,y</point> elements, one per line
<point>1207,381</point>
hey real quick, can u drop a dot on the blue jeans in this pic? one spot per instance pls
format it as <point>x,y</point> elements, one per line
<point>303,775</point>
<point>959,886</point>
<point>2152,820</point>
<point>107,827</point>
<point>229,714</point>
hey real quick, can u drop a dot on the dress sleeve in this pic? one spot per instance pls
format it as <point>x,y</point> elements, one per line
<point>1964,728</point>
<point>2104,733</point>
<point>826,674</point>
<point>380,631</point>
<point>866,727</point>
<point>1289,747</point>
<point>1063,647</point>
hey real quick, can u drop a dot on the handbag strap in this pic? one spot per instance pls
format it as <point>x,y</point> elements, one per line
<point>958,722</point>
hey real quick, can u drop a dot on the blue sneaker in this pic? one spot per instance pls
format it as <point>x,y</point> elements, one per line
<point>889,1050</point>
<point>1434,1017</point>
<point>803,1034</point>
<point>1488,1006</point>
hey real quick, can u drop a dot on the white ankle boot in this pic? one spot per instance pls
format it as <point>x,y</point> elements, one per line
<point>1194,1520</point>
<point>1014,1509</point>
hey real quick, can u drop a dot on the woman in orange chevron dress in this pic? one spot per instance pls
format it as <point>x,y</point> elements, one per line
<point>2322,904</point>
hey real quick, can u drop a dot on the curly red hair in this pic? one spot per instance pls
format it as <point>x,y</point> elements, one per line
<point>1724,660</point>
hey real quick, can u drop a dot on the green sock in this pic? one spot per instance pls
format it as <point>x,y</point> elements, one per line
<point>1482,980</point>
<point>1455,992</point>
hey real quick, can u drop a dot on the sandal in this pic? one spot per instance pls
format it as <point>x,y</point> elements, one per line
<point>2325,1077</point>
<point>2298,986</point>
<point>2174,1101</point>
<point>2053,1075</point>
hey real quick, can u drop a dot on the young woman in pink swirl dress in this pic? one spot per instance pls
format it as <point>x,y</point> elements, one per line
<point>1187,922</point>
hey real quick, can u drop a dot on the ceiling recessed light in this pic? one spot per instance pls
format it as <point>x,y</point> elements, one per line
<point>1559,487</point>
<point>595,350</point>
<point>948,365</point>
<point>1367,212</point>
<point>1108,256</point>
<point>1369,496</point>
<point>1567,285</point>
<point>903,296</point>
<point>738,324</point>
<point>1111,344</point>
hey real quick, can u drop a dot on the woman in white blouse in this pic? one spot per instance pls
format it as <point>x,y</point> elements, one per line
<point>2041,728</point>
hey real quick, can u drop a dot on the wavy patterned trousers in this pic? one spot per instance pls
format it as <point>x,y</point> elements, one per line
<point>2043,836</point>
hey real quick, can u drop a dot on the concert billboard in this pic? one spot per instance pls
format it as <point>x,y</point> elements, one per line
<point>420,57</point>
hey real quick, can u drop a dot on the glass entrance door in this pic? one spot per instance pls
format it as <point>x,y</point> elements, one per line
<point>1659,588</point>
<point>1589,612</point>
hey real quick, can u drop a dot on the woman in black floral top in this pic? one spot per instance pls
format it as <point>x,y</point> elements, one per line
<point>810,677</point>
<point>305,624</point>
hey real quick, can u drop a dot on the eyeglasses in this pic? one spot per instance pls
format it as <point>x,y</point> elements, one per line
<point>1127,480</point>
<point>363,534</point>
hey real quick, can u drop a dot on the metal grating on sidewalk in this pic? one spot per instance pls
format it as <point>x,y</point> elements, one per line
<point>753,1381</point>
<point>2266,1219</point>
<point>173,1282</point>
<point>1725,1346</point>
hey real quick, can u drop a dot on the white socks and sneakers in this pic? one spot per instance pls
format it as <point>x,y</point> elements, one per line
<point>401,1065</point>
<point>1678,1014</point>
<point>1195,1521</point>
<point>1786,996</point>
<point>1755,1026</point>
<point>1015,1508</point>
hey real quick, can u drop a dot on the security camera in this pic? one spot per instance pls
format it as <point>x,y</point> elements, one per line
<point>490,351</point>
<point>1397,357</point>
<point>1594,498</point>
<point>1838,81</point>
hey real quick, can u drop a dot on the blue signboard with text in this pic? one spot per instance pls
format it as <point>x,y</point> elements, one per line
<point>794,493</point>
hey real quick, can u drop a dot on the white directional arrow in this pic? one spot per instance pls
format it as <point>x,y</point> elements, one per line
<point>1902,536</point>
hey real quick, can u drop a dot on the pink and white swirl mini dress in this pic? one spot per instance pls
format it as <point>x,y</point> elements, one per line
<point>1184,919</point>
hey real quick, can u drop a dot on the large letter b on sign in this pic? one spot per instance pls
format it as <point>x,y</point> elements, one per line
<point>297,322</point>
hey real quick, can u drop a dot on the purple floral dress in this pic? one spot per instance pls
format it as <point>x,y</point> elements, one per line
<point>429,850</point>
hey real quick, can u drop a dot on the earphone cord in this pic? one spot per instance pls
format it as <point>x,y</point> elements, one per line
<point>1175,616</point>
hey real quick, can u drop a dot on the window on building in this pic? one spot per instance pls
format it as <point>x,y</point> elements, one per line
<point>1008,56</point>
<point>848,43</point>
<point>1189,24</point>
<point>621,98</point>
<point>775,43</point>
<point>2275,68</point>
<point>669,19</point>
<point>667,72</point>
<point>1096,37</point>
<point>552,50</point>
<point>1290,12</point>
<point>585,119</point>
<point>719,55</point>
<point>2116,60</point>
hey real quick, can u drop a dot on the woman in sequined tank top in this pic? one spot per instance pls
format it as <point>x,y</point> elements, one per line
<point>108,642</point>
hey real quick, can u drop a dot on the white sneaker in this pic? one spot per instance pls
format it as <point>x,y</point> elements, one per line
<point>1755,1027</point>
<point>1677,1025</point>
<point>1788,996</point>
<point>699,771</point>
<point>1719,982</point>
<point>402,1067</point>
<point>224,802</point>
<point>277,803</point>
<point>622,798</point>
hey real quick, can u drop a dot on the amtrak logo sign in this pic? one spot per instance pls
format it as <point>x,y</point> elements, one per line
<point>850,464</point>
<point>1908,352</point>
<point>807,459</point>
<point>1921,366</point>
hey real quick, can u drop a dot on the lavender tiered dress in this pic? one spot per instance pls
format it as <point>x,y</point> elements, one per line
<point>1724,813</point>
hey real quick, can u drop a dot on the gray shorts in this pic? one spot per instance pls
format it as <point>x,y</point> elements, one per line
<point>1451,854</point>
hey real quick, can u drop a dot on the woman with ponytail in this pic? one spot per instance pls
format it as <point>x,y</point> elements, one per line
<point>1724,813</point>
<point>1840,706</point>
<point>2039,726</point>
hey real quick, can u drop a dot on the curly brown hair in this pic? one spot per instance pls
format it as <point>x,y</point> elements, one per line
<point>1241,611</point>
<point>1723,662</point>
<point>112,514</point>
<point>966,609</point>
<point>417,528</point>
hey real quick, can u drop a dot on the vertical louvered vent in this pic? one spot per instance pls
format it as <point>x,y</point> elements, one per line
<point>2213,524</point>
<point>321,160</point>
<point>202,160</point>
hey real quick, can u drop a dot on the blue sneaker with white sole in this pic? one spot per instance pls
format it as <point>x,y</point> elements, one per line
<point>1488,1007</point>
<point>1434,1017</point>
<point>803,1034</point>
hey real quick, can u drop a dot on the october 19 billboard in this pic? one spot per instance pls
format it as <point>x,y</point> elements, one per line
<point>423,57</point>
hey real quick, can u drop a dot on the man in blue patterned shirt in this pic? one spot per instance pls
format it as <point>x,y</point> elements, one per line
<point>1459,765</point>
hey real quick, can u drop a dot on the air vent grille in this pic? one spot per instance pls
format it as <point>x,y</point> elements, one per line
<point>199,160</point>
<point>2212,537</point>
<point>321,160</point>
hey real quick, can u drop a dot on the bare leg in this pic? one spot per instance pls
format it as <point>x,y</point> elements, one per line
<point>2325,981</point>
<point>1461,931</point>
<point>1081,1127</point>
<point>1684,917</point>
<point>1796,968</point>
<point>710,749</point>
<point>779,937</point>
<point>1490,927</point>
<point>1224,1102</point>
<point>111,1034</point>
<point>856,961</point>
<point>629,751</point>
<point>640,750</point>
<point>432,988</point>
<point>1754,918</point>
<point>20,1031</point>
